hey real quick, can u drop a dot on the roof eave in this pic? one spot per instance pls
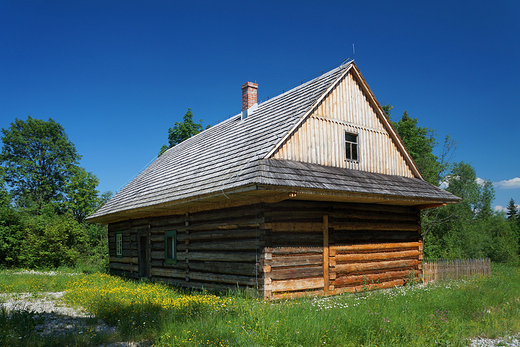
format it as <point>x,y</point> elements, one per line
<point>258,193</point>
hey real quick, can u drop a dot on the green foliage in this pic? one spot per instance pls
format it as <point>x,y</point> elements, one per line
<point>38,159</point>
<point>470,229</point>
<point>420,142</point>
<point>11,235</point>
<point>42,213</point>
<point>182,131</point>
<point>52,240</point>
<point>447,314</point>
<point>512,210</point>
<point>82,196</point>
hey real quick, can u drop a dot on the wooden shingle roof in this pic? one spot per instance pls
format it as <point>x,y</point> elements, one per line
<point>233,154</point>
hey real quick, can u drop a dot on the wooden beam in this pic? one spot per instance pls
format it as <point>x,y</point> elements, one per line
<point>376,246</point>
<point>298,284</point>
<point>377,256</point>
<point>326,254</point>
<point>425,206</point>
<point>380,265</point>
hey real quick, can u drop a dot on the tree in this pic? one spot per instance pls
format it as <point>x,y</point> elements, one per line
<point>420,142</point>
<point>511,210</point>
<point>182,131</point>
<point>82,196</point>
<point>38,159</point>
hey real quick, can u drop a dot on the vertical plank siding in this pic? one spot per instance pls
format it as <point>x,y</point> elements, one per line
<point>321,138</point>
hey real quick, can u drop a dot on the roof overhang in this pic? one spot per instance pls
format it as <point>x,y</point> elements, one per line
<point>256,194</point>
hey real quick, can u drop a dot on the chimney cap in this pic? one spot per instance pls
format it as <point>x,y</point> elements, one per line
<point>249,85</point>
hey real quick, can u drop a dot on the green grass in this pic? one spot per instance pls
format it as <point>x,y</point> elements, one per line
<point>435,315</point>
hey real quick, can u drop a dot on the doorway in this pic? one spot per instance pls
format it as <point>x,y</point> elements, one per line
<point>144,256</point>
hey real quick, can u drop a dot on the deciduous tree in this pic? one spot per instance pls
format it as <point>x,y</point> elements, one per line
<point>39,160</point>
<point>182,131</point>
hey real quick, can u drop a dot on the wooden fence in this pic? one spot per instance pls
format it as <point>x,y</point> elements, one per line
<point>435,270</point>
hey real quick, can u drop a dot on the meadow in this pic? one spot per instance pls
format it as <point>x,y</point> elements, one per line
<point>441,314</point>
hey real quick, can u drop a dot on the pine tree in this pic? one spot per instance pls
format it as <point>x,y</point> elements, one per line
<point>511,210</point>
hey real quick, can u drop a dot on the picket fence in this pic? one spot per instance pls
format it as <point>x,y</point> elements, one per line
<point>438,270</point>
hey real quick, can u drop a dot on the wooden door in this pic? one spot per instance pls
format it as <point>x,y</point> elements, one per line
<point>144,253</point>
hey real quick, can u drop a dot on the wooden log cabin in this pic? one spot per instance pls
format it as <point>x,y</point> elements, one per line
<point>311,191</point>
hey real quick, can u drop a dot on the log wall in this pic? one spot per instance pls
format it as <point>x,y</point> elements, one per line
<point>329,248</point>
<point>219,249</point>
<point>374,246</point>
<point>283,249</point>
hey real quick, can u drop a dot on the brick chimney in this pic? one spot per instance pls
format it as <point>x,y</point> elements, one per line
<point>249,95</point>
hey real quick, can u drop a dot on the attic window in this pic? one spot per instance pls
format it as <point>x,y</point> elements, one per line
<point>170,247</point>
<point>351,146</point>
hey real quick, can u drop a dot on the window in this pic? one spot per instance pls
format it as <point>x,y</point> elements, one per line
<point>119,244</point>
<point>351,146</point>
<point>170,247</point>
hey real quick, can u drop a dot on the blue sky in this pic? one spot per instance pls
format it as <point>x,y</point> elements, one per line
<point>118,74</point>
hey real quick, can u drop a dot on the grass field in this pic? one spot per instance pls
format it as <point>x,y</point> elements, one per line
<point>433,315</point>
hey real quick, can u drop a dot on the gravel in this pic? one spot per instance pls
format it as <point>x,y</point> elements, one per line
<point>503,341</point>
<point>58,318</point>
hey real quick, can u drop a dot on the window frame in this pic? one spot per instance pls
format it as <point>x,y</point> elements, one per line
<point>170,238</point>
<point>349,145</point>
<point>119,244</point>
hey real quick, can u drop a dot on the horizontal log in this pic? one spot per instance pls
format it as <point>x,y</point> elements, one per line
<point>300,227</point>
<point>125,273</point>
<point>159,255</point>
<point>157,238</point>
<point>380,265</point>
<point>297,272</point>
<point>130,253</point>
<point>168,221</point>
<point>376,246</point>
<point>175,273</point>
<point>295,240</point>
<point>126,226</point>
<point>331,207</point>
<point>215,235</point>
<point>205,285</point>
<point>283,216</point>
<point>230,279</point>
<point>247,269</point>
<point>353,226</point>
<point>124,267</point>
<point>370,278</point>
<point>222,246</point>
<point>298,260</point>
<point>214,256</point>
<point>359,289</point>
<point>242,212</point>
<point>294,250</point>
<point>216,225</point>
<point>292,295</point>
<point>370,236</point>
<point>370,216</point>
<point>128,260</point>
<point>377,256</point>
<point>297,284</point>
